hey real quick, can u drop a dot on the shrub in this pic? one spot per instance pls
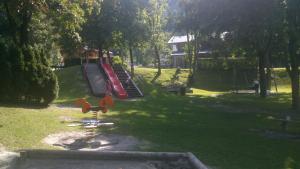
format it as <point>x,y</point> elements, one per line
<point>5,72</point>
<point>43,86</point>
<point>26,75</point>
<point>226,64</point>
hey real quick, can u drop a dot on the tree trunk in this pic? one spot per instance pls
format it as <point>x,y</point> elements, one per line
<point>294,72</point>
<point>295,87</point>
<point>100,54</point>
<point>109,57</point>
<point>157,59</point>
<point>131,61</point>
<point>269,72</point>
<point>195,53</point>
<point>189,51</point>
<point>262,75</point>
<point>269,79</point>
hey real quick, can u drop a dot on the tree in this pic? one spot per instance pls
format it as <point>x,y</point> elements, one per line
<point>155,17</point>
<point>200,18</point>
<point>99,29</point>
<point>29,73</point>
<point>258,23</point>
<point>292,10</point>
<point>131,26</point>
<point>67,19</point>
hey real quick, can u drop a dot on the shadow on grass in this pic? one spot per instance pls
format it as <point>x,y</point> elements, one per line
<point>213,133</point>
<point>155,77</point>
<point>23,105</point>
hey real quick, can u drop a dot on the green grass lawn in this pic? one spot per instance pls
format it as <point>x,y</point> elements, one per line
<point>215,125</point>
<point>24,128</point>
<point>72,86</point>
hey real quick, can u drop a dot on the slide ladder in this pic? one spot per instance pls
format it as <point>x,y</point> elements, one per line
<point>130,86</point>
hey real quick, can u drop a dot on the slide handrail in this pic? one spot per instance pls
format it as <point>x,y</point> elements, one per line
<point>134,84</point>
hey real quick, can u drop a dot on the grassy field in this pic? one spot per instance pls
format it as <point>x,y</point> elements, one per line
<point>223,129</point>
<point>24,128</point>
<point>72,86</point>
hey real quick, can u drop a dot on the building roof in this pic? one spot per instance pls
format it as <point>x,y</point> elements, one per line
<point>180,39</point>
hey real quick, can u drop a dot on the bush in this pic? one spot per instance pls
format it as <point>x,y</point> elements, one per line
<point>226,64</point>
<point>43,86</point>
<point>26,75</point>
<point>5,72</point>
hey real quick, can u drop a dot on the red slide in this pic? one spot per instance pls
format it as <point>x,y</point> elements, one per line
<point>116,84</point>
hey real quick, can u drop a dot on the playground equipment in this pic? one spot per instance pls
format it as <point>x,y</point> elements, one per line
<point>104,104</point>
<point>115,82</point>
<point>102,76</point>
<point>95,78</point>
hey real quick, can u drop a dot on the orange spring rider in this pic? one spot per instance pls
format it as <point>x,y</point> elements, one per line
<point>104,104</point>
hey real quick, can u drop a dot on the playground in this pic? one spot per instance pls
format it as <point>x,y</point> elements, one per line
<point>220,127</point>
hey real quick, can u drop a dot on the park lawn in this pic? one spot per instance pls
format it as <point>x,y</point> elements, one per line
<point>166,76</point>
<point>215,125</point>
<point>72,85</point>
<point>218,133</point>
<point>24,128</point>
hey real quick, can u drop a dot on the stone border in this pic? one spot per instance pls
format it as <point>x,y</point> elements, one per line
<point>115,155</point>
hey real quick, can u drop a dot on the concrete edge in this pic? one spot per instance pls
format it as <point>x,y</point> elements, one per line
<point>112,155</point>
<point>109,155</point>
<point>8,160</point>
<point>195,162</point>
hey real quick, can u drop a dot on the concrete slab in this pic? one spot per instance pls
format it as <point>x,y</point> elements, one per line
<point>46,159</point>
<point>83,164</point>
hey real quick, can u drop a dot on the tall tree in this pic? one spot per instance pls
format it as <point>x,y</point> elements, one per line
<point>156,19</point>
<point>253,24</point>
<point>292,9</point>
<point>19,15</point>
<point>131,26</point>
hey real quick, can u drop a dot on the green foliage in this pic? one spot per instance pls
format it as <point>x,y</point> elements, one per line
<point>226,64</point>
<point>117,60</point>
<point>67,19</point>
<point>5,70</point>
<point>27,78</point>
<point>43,86</point>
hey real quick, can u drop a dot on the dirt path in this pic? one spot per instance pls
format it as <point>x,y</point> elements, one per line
<point>82,140</point>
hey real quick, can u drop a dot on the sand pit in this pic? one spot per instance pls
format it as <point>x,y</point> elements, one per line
<point>88,141</point>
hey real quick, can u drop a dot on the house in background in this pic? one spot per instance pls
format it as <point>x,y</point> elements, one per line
<point>177,44</point>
